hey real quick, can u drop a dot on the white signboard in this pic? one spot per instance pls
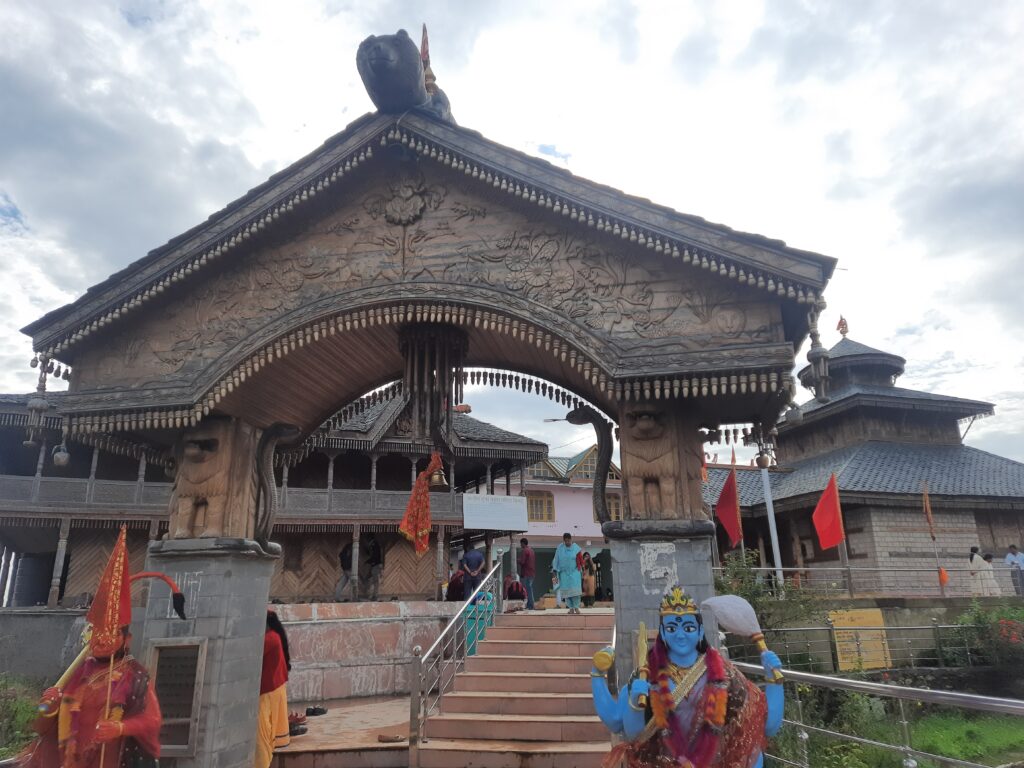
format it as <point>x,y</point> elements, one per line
<point>481,512</point>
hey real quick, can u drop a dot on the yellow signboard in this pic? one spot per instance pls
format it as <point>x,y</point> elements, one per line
<point>860,639</point>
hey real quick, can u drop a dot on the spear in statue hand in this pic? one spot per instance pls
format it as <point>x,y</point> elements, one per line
<point>641,661</point>
<point>736,616</point>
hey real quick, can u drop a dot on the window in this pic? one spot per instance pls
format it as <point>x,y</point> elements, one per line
<point>586,469</point>
<point>540,506</point>
<point>614,503</point>
<point>541,471</point>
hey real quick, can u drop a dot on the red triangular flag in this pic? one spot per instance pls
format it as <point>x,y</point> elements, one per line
<point>828,517</point>
<point>728,510</point>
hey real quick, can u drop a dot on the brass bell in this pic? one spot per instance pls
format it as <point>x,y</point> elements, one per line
<point>438,482</point>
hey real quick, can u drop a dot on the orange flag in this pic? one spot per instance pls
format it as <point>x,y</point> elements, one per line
<point>728,510</point>
<point>828,517</point>
<point>943,577</point>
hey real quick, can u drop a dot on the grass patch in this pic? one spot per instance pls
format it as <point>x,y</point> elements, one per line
<point>976,739</point>
<point>17,711</point>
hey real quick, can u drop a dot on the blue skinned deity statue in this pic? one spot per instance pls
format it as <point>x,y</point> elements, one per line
<point>687,706</point>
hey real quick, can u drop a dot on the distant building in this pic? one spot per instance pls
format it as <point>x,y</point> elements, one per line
<point>560,499</point>
<point>882,442</point>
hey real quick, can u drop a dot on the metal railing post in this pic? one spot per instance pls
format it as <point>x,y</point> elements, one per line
<point>908,761</point>
<point>415,702</point>
<point>832,646</point>
<point>937,630</point>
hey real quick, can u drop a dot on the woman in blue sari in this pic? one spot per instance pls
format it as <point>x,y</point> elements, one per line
<point>566,566</point>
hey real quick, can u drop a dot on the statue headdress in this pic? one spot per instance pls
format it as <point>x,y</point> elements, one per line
<point>429,81</point>
<point>677,603</point>
<point>111,609</point>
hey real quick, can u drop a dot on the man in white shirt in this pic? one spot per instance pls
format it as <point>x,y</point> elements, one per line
<point>1015,559</point>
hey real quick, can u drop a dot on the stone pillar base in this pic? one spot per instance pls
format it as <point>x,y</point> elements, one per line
<point>226,583</point>
<point>649,557</point>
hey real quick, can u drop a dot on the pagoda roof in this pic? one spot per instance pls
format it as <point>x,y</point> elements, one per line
<point>797,276</point>
<point>881,467</point>
<point>881,396</point>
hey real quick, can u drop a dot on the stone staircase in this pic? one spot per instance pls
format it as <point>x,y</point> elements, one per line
<point>524,698</point>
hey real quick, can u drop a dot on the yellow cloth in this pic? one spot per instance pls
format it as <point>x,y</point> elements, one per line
<point>272,725</point>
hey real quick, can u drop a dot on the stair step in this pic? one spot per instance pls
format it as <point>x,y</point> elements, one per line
<point>491,647</point>
<point>514,682</point>
<point>448,753</point>
<point>523,703</point>
<point>561,634</point>
<point>518,663</point>
<point>560,620</point>
<point>464,725</point>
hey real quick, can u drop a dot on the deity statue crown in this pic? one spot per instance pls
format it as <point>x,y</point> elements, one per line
<point>677,603</point>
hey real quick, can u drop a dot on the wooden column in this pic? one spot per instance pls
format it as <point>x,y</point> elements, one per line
<point>522,479</point>
<point>355,562</point>
<point>441,565</point>
<point>58,563</point>
<point>5,571</point>
<point>513,551</point>
<point>487,552</point>
<point>412,480</point>
<point>15,566</point>
<point>508,481</point>
<point>490,479</point>
<point>39,470</point>
<point>140,480</point>
<point>284,486</point>
<point>90,487</point>
<point>330,480</point>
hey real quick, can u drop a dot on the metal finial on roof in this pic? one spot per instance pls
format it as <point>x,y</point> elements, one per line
<point>843,327</point>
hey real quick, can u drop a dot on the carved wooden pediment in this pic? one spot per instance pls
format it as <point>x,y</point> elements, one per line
<point>507,241</point>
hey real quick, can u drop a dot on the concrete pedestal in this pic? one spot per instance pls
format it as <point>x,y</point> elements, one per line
<point>226,583</point>
<point>649,557</point>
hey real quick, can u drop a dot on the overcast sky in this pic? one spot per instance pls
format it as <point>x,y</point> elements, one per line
<point>886,134</point>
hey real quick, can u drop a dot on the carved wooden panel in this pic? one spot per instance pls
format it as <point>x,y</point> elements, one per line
<point>441,236</point>
<point>318,573</point>
<point>89,550</point>
<point>406,574</point>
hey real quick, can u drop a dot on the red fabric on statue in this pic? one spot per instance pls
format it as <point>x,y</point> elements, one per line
<point>275,668</point>
<point>68,739</point>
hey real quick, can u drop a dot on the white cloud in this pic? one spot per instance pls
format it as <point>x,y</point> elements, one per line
<point>884,134</point>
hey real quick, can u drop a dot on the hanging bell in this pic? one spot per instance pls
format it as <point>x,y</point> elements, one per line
<point>438,482</point>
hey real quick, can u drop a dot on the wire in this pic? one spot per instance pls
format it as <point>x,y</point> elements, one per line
<point>585,437</point>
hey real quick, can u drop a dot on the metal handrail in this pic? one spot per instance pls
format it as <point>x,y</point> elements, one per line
<point>448,655</point>
<point>900,694</point>
<point>926,695</point>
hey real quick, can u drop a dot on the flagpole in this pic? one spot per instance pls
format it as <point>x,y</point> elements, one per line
<point>773,531</point>
<point>926,501</point>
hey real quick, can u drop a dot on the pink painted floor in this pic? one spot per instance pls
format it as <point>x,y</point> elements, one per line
<point>353,724</point>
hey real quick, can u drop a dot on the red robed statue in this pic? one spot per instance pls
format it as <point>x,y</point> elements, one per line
<point>103,712</point>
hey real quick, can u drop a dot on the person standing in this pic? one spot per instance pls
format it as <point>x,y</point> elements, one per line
<point>527,563</point>
<point>345,561</point>
<point>589,574</point>
<point>1015,559</point>
<point>375,560</point>
<point>977,579</point>
<point>272,729</point>
<point>568,565</point>
<point>989,583</point>
<point>473,571</point>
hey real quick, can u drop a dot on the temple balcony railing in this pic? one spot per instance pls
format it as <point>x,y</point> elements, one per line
<point>104,498</point>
